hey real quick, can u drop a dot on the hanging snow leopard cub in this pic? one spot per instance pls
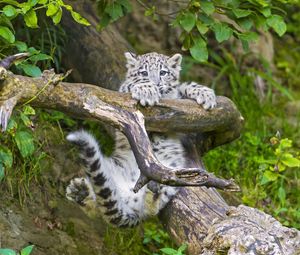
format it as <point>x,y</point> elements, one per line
<point>110,181</point>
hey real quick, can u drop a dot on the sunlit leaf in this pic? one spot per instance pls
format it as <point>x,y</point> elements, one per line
<point>31,19</point>
<point>77,17</point>
<point>7,34</point>
<point>27,250</point>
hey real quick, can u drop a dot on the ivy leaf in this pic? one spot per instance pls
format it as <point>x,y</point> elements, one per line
<point>77,17</point>
<point>9,11</point>
<point>188,21</point>
<point>241,13</point>
<point>31,19</point>
<point>31,70</point>
<point>199,50</point>
<point>27,250</point>
<point>277,23</point>
<point>24,141</point>
<point>7,34</point>
<point>207,7</point>
<point>222,31</point>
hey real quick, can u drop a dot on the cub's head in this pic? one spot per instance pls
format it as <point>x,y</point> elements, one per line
<point>160,69</point>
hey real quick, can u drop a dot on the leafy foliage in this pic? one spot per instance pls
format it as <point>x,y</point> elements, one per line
<point>198,19</point>
<point>12,10</point>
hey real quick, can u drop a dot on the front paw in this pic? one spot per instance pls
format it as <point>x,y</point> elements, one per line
<point>146,94</point>
<point>204,96</point>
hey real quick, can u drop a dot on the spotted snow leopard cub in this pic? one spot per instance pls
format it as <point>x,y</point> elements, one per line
<point>110,180</point>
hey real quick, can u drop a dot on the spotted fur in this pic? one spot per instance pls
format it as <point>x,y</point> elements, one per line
<point>110,181</point>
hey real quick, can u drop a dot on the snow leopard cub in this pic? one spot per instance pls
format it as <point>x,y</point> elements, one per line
<point>110,181</point>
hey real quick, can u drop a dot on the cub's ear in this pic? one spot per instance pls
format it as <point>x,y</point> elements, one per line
<point>131,59</point>
<point>175,61</point>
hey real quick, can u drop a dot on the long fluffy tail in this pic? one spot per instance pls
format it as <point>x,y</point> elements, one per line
<point>116,207</point>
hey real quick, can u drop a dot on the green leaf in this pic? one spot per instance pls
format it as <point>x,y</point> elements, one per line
<point>182,247</point>
<point>77,17</point>
<point>25,7</point>
<point>269,176</point>
<point>199,51</point>
<point>24,141</point>
<point>248,36</point>
<point>241,13</point>
<point>39,57</point>
<point>127,5</point>
<point>266,12</point>
<point>281,195</point>
<point>7,34</point>
<point>51,9</point>
<point>57,17</point>
<point>9,11</point>
<point>6,157</point>
<point>31,70</point>
<point>289,160</point>
<point>188,21</point>
<point>7,252</point>
<point>43,1</point>
<point>2,174</point>
<point>222,31</point>
<point>245,23</point>
<point>207,7</point>
<point>28,110</point>
<point>202,28</point>
<point>31,19</point>
<point>168,251</point>
<point>21,46</point>
<point>33,2</point>
<point>27,122</point>
<point>114,10</point>
<point>27,250</point>
<point>285,143</point>
<point>277,23</point>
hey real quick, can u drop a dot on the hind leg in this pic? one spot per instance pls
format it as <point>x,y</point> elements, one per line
<point>108,177</point>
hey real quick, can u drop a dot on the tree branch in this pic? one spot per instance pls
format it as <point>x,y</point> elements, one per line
<point>120,111</point>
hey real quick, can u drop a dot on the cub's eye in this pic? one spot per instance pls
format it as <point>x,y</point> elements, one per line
<point>144,73</point>
<point>163,73</point>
